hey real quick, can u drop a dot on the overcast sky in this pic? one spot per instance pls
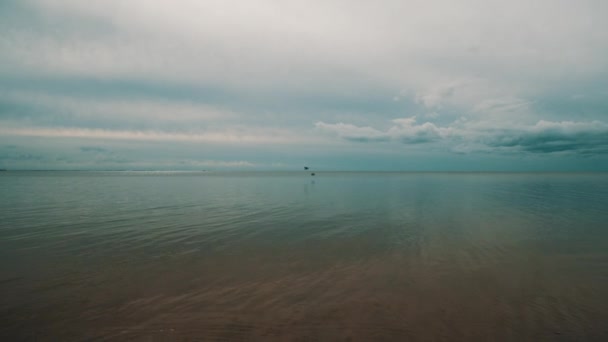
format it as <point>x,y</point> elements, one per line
<point>276,85</point>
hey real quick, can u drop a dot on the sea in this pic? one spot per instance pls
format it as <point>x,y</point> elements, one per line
<point>286,256</point>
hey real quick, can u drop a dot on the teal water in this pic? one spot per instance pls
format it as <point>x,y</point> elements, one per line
<point>286,256</point>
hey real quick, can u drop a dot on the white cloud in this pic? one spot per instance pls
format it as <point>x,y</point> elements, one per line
<point>282,137</point>
<point>352,132</point>
<point>405,130</point>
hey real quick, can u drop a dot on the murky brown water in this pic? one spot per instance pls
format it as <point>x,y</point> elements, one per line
<point>351,257</point>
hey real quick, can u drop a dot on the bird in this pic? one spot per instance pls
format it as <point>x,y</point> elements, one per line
<point>305,167</point>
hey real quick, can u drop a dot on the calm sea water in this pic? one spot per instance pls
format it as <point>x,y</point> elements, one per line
<point>286,256</point>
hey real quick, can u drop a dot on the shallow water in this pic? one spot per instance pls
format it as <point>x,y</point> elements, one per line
<point>286,256</point>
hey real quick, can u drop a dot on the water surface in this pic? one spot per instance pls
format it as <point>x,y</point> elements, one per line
<point>286,256</point>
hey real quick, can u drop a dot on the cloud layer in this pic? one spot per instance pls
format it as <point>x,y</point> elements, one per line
<point>404,130</point>
<point>343,84</point>
<point>462,136</point>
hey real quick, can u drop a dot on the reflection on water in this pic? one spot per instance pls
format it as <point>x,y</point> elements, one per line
<point>278,256</point>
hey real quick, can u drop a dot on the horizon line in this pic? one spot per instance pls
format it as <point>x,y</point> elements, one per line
<point>304,171</point>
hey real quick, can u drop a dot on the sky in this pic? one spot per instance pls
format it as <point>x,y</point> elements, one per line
<point>467,85</point>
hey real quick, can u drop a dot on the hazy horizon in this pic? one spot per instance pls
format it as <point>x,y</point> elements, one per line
<point>317,172</point>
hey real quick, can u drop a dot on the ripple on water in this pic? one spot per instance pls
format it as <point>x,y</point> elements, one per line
<point>167,256</point>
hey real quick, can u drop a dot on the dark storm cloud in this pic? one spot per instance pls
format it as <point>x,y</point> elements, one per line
<point>549,137</point>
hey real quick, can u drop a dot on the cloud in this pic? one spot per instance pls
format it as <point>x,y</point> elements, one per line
<point>23,157</point>
<point>412,44</point>
<point>118,155</point>
<point>548,137</point>
<point>353,133</point>
<point>466,137</point>
<point>220,137</point>
<point>503,107</point>
<point>211,42</point>
<point>484,77</point>
<point>433,98</point>
<point>149,109</point>
<point>43,108</point>
<point>404,130</point>
<point>408,132</point>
